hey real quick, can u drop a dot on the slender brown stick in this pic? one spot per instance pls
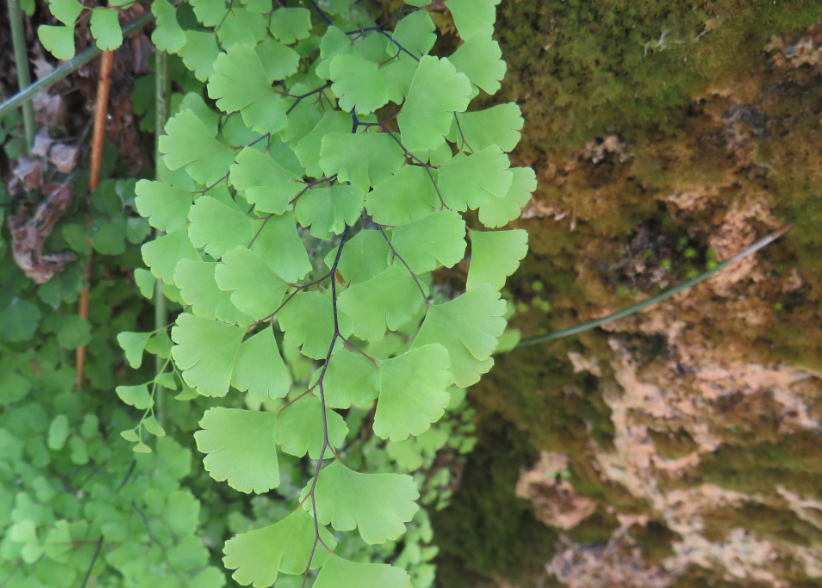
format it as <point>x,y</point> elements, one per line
<point>97,137</point>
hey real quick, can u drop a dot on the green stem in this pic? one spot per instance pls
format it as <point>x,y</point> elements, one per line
<point>659,297</point>
<point>26,93</point>
<point>162,92</point>
<point>21,61</point>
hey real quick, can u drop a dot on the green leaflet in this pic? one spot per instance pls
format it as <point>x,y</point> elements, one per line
<point>328,210</point>
<point>308,149</point>
<point>188,143</point>
<point>136,396</point>
<point>469,182</point>
<point>289,25</point>
<point>340,573</point>
<point>300,428</point>
<point>405,197</point>
<point>218,228</point>
<point>264,182</point>
<point>308,322</point>
<point>436,240</point>
<point>105,27</point>
<point>412,392</point>
<point>256,289</point>
<point>209,12</point>
<point>278,60</point>
<point>363,257</point>
<point>415,33</point>
<point>279,245</point>
<point>259,369</point>
<point>66,11</point>
<point>240,448</point>
<point>436,92</point>
<point>162,254</point>
<point>198,286</point>
<point>499,125</point>
<point>241,27</point>
<point>205,351</point>
<point>200,52</point>
<point>165,207</point>
<point>365,159</point>
<point>376,504</point>
<point>351,378</point>
<point>473,17</point>
<point>259,556</point>
<point>495,256</point>
<point>498,212</point>
<point>358,84</point>
<point>240,83</point>
<point>468,327</point>
<point>133,344</point>
<point>480,59</point>
<point>167,35</point>
<point>388,300</point>
<point>58,40</point>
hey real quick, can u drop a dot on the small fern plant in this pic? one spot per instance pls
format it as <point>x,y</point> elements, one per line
<point>307,205</point>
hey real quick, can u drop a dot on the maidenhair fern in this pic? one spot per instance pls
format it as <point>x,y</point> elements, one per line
<point>308,207</point>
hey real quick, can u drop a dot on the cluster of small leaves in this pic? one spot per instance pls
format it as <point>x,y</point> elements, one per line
<point>103,22</point>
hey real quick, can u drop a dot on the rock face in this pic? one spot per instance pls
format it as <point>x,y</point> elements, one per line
<point>680,447</point>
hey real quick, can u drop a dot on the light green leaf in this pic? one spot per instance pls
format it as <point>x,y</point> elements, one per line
<point>105,27</point>
<point>206,350</point>
<point>166,380</point>
<point>495,256</point>
<point>285,547</point>
<point>308,149</point>
<point>136,396</point>
<point>498,212</point>
<point>358,84</point>
<point>377,504</point>
<point>388,300</point>
<point>162,254</point>
<point>499,125</point>
<point>404,198</point>
<point>415,33</point>
<point>365,159</point>
<point>58,432</point>
<point>473,16</point>
<point>241,83</point>
<point>218,228</point>
<point>209,12</point>
<point>256,289</point>
<point>66,11</point>
<point>351,378</point>
<point>153,427</point>
<point>468,327</point>
<point>327,210</point>
<point>189,143</point>
<point>58,40</point>
<point>280,246</point>
<point>364,256</point>
<point>165,207</point>
<point>200,52</point>
<point>19,320</point>
<point>406,453</point>
<point>259,368</point>
<point>240,448</point>
<point>133,344</point>
<point>398,75</point>
<point>480,58</point>
<point>167,35</point>
<point>289,25</point>
<point>412,392</point>
<point>278,60</point>
<point>145,281</point>
<point>263,182</point>
<point>300,428</point>
<point>241,27</point>
<point>58,542</point>
<point>308,322</point>
<point>340,573</point>
<point>437,91</point>
<point>75,331</point>
<point>469,182</point>
<point>434,241</point>
<point>182,512</point>
<point>198,287</point>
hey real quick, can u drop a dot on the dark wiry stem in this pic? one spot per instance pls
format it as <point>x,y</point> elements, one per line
<point>408,267</point>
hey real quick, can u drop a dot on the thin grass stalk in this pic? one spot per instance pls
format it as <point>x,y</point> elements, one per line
<point>21,61</point>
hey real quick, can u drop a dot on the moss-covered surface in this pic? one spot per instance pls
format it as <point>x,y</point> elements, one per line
<point>699,103</point>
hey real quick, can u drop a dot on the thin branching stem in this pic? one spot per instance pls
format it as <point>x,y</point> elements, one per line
<point>408,267</point>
